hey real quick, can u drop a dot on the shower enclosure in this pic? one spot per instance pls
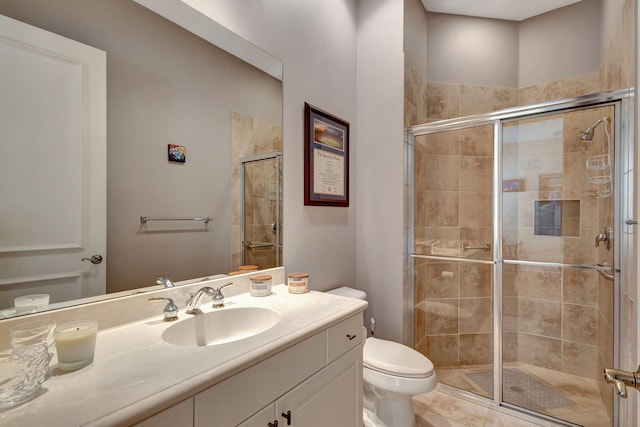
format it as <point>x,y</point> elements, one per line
<point>261,210</point>
<point>516,230</point>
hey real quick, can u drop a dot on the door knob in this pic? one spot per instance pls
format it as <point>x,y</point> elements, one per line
<point>95,259</point>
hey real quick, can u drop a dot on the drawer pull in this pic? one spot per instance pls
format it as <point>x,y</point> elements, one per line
<point>287,416</point>
<point>351,337</point>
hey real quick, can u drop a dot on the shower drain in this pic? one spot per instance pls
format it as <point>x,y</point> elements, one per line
<point>516,388</point>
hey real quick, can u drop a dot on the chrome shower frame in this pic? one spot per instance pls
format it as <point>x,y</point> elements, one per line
<point>624,211</point>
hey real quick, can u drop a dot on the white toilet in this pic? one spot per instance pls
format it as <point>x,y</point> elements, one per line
<point>392,374</point>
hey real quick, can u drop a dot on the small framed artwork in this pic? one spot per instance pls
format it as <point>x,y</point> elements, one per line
<point>326,159</point>
<point>513,185</point>
<point>177,153</point>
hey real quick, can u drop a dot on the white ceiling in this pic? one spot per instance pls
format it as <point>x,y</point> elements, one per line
<point>513,10</point>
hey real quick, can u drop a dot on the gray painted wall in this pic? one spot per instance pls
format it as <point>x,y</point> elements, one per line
<point>560,44</point>
<point>479,51</point>
<point>475,51</point>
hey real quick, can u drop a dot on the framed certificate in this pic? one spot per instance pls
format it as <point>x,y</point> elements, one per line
<point>326,159</point>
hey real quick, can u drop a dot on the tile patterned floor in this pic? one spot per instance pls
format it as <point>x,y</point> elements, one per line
<point>441,409</point>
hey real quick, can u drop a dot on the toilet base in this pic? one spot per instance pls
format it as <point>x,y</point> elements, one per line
<point>397,412</point>
<point>392,409</point>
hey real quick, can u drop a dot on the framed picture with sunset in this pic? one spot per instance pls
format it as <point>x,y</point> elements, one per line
<point>326,158</point>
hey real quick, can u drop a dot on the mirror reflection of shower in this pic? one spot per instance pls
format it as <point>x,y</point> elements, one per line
<point>261,211</point>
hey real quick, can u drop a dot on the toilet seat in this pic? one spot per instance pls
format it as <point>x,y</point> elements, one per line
<point>395,359</point>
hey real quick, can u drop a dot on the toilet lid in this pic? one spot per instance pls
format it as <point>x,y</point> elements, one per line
<point>395,359</point>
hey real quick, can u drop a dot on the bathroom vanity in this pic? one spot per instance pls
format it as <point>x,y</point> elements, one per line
<point>304,370</point>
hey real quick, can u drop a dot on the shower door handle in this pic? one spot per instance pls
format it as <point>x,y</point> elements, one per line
<point>622,379</point>
<point>484,247</point>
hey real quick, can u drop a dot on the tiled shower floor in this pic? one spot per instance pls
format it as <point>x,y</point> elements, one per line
<point>579,401</point>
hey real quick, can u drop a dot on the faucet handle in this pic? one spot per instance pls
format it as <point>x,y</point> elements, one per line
<point>170,310</point>
<point>218,298</point>
<point>164,281</point>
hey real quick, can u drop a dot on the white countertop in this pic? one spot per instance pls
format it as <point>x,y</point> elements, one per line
<point>135,372</point>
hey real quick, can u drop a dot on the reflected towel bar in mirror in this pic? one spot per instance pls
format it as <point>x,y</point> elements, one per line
<point>145,219</point>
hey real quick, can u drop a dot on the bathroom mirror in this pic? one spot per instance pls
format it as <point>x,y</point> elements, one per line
<point>165,86</point>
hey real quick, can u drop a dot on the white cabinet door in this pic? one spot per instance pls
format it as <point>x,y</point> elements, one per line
<point>332,397</point>
<point>53,143</point>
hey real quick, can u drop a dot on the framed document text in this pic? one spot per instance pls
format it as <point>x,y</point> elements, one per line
<point>326,159</point>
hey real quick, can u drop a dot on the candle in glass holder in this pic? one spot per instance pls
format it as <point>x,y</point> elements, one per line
<point>75,344</point>
<point>31,303</point>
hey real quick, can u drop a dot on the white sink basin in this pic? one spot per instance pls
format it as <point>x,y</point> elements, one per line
<point>221,326</point>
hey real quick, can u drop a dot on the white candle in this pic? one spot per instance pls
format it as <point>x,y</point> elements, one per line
<point>31,303</point>
<point>75,344</point>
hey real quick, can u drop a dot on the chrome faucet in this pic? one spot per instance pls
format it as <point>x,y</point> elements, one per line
<point>193,303</point>
<point>164,281</point>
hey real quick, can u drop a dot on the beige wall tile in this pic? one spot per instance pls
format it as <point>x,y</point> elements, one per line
<point>476,315</point>
<point>540,351</point>
<point>539,282</point>
<point>580,286</point>
<point>540,317</point>
<point>504,97</point>
<point>476,349</point>
<point>443,350</point>
<point>476,141</point>
<point>441,316</point>
<point>580,323</point>
<point>476,100</point>
<point>476,173</point>
<point>476,209</point>
<point>509,347</point>
<point>438,172</point>
<point>443,101</point>
<point>580,359</point>
<point>475,280</point>
<point>439,143</point>
<point>581,85</point>
<point>441,208</point>
<point>439,283</point>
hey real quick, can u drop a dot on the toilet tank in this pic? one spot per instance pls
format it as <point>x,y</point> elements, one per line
<point>346,291</point>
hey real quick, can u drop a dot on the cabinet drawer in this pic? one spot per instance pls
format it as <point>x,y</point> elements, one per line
<point>344,336</point>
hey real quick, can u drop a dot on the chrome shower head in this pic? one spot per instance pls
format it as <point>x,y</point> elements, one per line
<point>587,135</point>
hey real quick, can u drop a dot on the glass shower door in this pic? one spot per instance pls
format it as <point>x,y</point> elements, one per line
<point>557,248</point>
<point>452,254</point>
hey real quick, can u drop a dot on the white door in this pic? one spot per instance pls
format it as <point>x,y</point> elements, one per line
<point>52,165</point>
